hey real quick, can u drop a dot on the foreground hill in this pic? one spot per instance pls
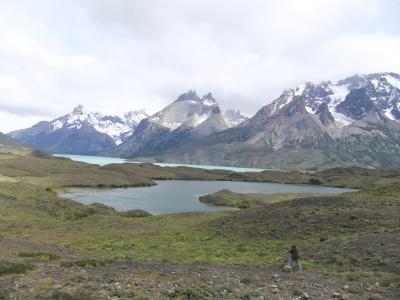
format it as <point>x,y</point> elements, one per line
<point>354,121</point>
<point>6,140</point>
<point>55,248</point>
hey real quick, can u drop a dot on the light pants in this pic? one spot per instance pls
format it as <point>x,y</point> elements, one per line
<point>296,261</point>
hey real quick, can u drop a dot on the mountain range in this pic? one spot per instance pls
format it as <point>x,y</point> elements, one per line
<point>80,132</point>
<point>354,121</point>
<point>90,133</point>
<point>189,117</point>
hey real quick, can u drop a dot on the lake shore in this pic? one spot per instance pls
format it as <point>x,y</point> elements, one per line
<point>176,196</point>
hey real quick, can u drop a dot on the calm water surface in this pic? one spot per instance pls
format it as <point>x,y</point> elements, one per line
<point>101,161</point>
<point>177,196</point>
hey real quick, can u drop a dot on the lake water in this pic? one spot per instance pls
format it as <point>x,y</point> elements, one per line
<point>177,196</point>
<point>101,161</point>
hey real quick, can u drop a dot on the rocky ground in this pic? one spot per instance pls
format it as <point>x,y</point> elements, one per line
<point>121,280</point>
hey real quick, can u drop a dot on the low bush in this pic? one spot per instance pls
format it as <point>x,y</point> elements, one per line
<point>14,268</point>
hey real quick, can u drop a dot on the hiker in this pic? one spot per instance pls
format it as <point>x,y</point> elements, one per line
<point>294,257</point>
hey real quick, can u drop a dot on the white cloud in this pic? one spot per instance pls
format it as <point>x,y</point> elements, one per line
<point>125,55</point>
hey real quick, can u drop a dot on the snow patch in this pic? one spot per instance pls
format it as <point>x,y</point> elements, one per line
<point>114,126</point>
<point>339,94</point>
<point>310,110</point>
<point>375,83</point>
<point>134,117</point>
<point>288,99</point>
<point>388,114</point>
<point>56,125</point>
<point>208,102</point>
<point>340,119</point>
<point>300,89</point>
<point>393,81</point>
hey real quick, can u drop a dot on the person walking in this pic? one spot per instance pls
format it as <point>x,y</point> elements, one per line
<point>294,257</point>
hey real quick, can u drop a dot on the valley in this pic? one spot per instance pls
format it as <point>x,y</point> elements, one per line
<point>200,150</point>
<point>53,247</point>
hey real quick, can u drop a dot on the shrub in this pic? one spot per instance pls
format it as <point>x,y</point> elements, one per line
<point>190,293</point>
<point>246,280</point>
<point>39,255</point>
<point>135,213</point>
<point>14,268</point>
<point>251,295</point>
<point>315,181</point>
<point>86,263</point>
<point>4,295</point>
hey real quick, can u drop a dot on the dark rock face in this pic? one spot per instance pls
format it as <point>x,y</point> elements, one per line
<point>356,104</point>
<point>325,116</point>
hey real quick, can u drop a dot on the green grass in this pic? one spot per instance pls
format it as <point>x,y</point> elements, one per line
<point>39,255</point>
<point>250,200</point>
<point>354,236</point>
<point>14,268</point>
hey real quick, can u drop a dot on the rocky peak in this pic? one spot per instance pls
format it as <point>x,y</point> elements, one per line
<point>78,110</point>
<point>189,95</point>
<point>350,99</point>
<point>233,117</point>
<point>134,117</point>
<point>208,96</point>
<point>209,100</point>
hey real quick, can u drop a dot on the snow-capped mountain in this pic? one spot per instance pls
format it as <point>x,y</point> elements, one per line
<point>188,111</point>
<point>79,129</point>
<point>118,128</point>
<point>354,121</point>
<point>187,117</point>
<point>233,117</point>
<point>355,97</point>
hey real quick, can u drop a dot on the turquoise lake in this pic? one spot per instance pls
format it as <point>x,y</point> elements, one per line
<point>176,196</point>
<point>101,161</point>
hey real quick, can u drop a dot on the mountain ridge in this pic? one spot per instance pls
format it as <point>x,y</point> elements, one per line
<point>314,126</point>
<point>187,118</point>
<point>89,132</point>
<point>353,121</point>
<point>80,132</point>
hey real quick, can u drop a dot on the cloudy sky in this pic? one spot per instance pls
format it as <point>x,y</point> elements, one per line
<point>120,55</point>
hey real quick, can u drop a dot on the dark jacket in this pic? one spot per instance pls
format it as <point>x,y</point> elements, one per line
<point>294,252</point>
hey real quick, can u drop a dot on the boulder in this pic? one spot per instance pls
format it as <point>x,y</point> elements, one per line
<point>304,296</point>
<point>287,268</point>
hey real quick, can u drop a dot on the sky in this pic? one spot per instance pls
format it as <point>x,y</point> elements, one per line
<point>121,55</point>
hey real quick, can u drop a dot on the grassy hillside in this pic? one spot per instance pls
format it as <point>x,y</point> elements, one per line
<point>55,248</point>
<point>6,140</point>
<point>248,200</point>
